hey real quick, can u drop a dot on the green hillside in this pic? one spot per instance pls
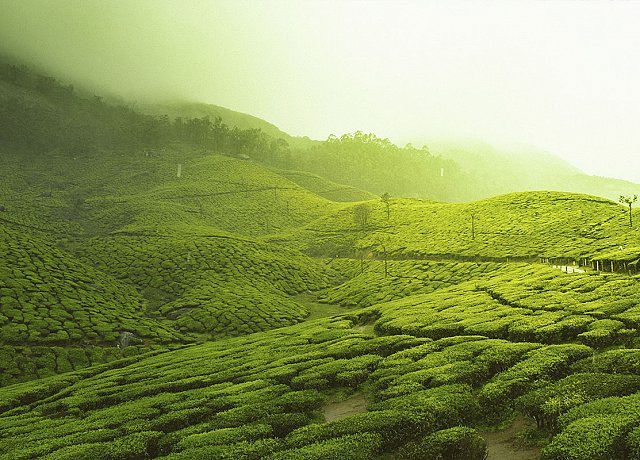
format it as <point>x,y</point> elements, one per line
<point>496,171</point>
<point>230,117</point>
<point>127,191</point>
<point>49,297</point>
<point>172,289</point>
<point>326,188</point>
<point>531,225</point>
<point>218,285</point>
<point>434,367</point>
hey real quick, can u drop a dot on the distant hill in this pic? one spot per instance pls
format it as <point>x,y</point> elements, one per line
<point>493,171</point>
<point>230,117</point>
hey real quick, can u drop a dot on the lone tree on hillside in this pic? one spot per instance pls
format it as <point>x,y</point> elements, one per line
<point>386,199</point>
<point>361,216</point>
<point>629,200</point>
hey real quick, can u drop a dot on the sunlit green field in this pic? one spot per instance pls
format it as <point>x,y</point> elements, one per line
<point>256,303</point>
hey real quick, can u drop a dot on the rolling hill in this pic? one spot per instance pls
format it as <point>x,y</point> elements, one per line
<point>500,170</point>
<point>525,225</point>
<point>230,117</point>
<point>170,300</point>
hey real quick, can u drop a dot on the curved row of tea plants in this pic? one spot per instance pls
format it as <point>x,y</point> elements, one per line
<point>218,285</point>
<point>49,297</point>
<point>524,303</point>
<point>22,363</point>
<point>368,284</point>
<point>262,396</point>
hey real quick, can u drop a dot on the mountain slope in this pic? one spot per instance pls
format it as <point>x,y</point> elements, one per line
<point>497,171</point>
<point>229,117</point>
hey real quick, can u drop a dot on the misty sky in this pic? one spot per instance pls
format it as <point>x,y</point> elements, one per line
<point>559,75</point>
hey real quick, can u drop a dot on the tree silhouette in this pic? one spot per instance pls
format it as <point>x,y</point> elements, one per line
<point>361,216</point>
<point>629,200</point>
<point>386,199</point>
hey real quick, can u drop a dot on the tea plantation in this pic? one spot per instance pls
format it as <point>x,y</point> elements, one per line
<point>216,284</point>
<point>526,226</point>
<point>156,304</point>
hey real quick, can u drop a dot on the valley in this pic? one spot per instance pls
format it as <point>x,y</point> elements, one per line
<point>177,289</point>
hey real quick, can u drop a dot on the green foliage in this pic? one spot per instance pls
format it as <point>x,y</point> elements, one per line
<point>599,429</point>
<point>394,428</point>
<point>548,363</point>
<point>516,226</point>
<point>102,236</point>
<point>50,298</point>
<point>595,438</point>
<point>457,443</point>
<point>353,447</point>
<point>546,404</point>
<point>368,162</point>
<point>633,442</point>
<point>326,188</point>
<point>222,286</point>
<point>619,361</point>
<point>21,363</point>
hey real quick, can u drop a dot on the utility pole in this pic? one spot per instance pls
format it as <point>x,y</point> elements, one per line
<point>473,226</point>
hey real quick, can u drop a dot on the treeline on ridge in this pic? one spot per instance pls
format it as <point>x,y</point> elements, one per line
<point>39,113</point>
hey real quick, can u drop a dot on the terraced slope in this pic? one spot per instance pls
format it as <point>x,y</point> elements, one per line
<point>368,282</point>
<point>218,285</point>
<point>446,361</point>
<point>174,249</point>
<point>440,348</point>
<point>48,297</point>
<point>525,303</point>
<point>95,194</point>
<point>519,225</point>
<point>58,314</point>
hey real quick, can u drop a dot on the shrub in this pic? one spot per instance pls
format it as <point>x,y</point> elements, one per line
<point>457,443</point>
<point>225,436</point>
<point>633,443</point>
<point>593,438</point>
<point>546,404</point>
<point>353,447</point>
<point>394,427</point>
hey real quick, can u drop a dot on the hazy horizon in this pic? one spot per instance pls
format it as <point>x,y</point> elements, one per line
<point>560,76</point>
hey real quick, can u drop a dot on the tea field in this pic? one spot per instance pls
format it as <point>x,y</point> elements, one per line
<point>526,226</point>
<point>157,304</point>
<point>262,396</point>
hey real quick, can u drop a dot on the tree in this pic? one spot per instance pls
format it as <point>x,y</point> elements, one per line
<point>629,200</point>
<point>382,242</point>
<point>361,216</point>
<point>386,199</point>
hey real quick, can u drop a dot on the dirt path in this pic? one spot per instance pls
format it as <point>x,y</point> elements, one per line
<point>502,445</point>
<point>334,410</point>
